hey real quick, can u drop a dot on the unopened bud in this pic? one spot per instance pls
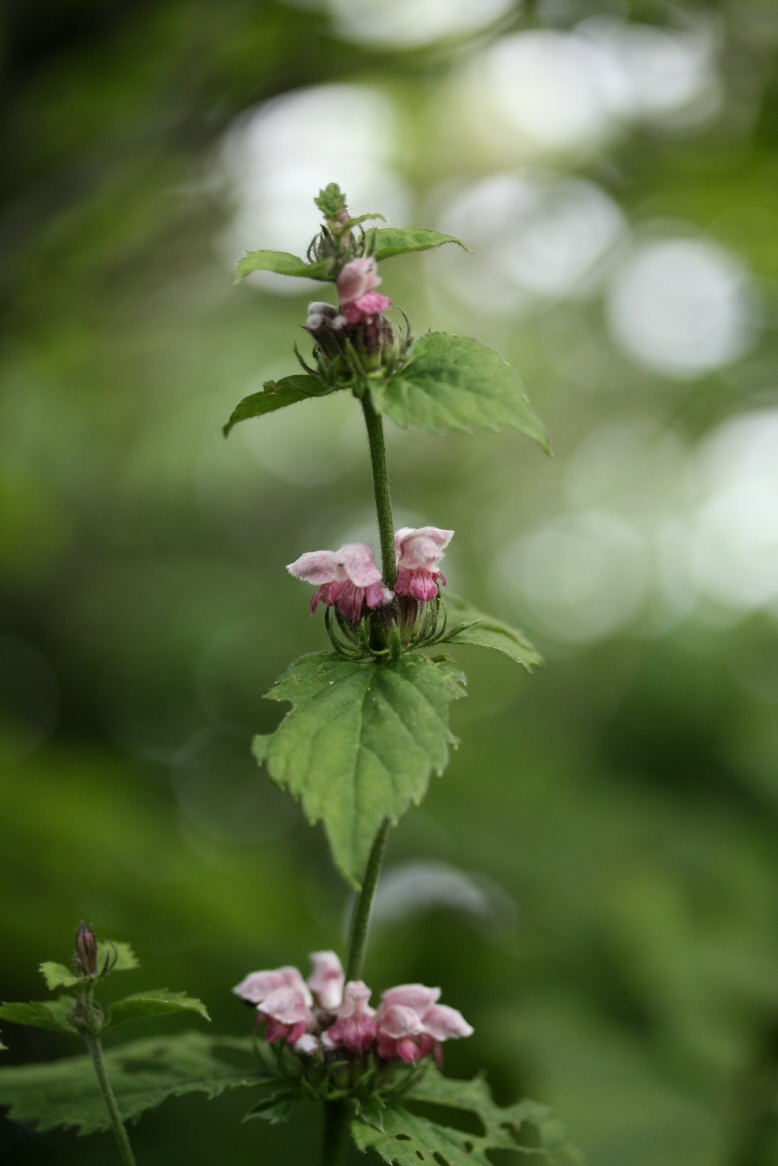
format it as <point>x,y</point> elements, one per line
<point>85,958</point>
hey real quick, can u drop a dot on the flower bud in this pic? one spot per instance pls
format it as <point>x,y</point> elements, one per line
<point>85,956</point>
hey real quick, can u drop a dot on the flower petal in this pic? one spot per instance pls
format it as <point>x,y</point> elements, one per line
<point>326,979</point>
<point>316,567</point>
<point>359,564</point>
<point>416,996</point>
<point>258,985</point>
<point>444,1023</point>
<point>397,1021</point>
<point>288,1005</point>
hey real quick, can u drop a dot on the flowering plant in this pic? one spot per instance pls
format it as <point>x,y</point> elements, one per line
<point>367,728</point>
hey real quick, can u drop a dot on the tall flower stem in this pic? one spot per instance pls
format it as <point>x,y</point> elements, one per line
<point>383,502</point>
<point>360,919</point>
<point>337,1125</point>
<point>95,1046</point>
<point>338,1114</point>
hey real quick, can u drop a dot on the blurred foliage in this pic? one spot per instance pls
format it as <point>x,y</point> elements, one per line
<point>625,799</point>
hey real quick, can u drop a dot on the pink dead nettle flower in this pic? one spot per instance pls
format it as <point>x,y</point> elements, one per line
<point>355,286</point>
<point>418,555</point>
<point>258,985</point>
<point>326,980</point>
<point>411,1024</point>
<point>355,1028</point>
<point>348,578</point>
<point>283,1001</point>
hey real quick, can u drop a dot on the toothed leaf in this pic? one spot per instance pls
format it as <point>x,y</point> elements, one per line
<point>468,625</point>
<point>389,241</point>
<point>455,382</point>
<point>277,395</point>
<point>155,1003</point>
<point>360,742</point>
<point>57,975</point>
<point>283,263</point>
<point>143,1073</point>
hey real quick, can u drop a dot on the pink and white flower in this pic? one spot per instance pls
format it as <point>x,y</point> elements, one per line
<point>326,980</point>
<point>283,1000</point>
<point>355,1028</point>
<point>418,553</point>
<point>348,579</point>
<point>355,286</point>
<point>411,1024</point>
<point>258,985</point>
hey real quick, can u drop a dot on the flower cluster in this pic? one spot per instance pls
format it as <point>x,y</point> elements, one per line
<point>325,1015</point>
<point>350,580</point>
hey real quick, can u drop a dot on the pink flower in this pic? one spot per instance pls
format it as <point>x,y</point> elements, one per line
<point>411,1024</point>
<point>355,1027</point>
<point>326,980</point>
<point>348,578</point>
<point>258,985</point>
<point>418,554</point>
<point>288,1014</point>
<point>282,999</point>
<point>355,286</point>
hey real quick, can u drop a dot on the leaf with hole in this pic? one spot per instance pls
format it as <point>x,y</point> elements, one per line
<point>277,395</point>
<point>282,263</point>
<point>360,742</point>
<point>468,625</point>
<point>384,242</point>
<point>160,1002</point>
<point>143,1074</point>
<point>455,382</point>
<point>408,1138</point>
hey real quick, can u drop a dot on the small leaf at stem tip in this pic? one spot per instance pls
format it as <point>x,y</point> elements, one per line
<point>468,625</point>
<point>361,742</point>
<point>455,382</point>
<point>283,263</point>
<point>116,956</point>
<point>408,1138</point>
<point>57,975</point>
<point>385,242</point>
<point>143,1073</point>
<point>51,1014</point>
<point>277,395</point>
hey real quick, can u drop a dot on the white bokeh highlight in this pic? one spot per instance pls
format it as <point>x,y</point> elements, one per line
<point>547,92</point>
<point>681,307</point>
<point>402,24</point>
<point>535,237</point>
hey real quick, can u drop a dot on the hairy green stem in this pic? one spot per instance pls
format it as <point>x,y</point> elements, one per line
<point>338,1114</point>
<point>383,502</point>
<point>95,1046</point>
<point>337,1126</point>
<point>360,919</point>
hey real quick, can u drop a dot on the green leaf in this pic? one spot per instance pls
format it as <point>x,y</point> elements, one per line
<point>57,975</point>
<point>51,1014</point>
<point>283,263</point>
<point>274,1109</point>
<point>142,1073</point>
<point>455,382</point>
<point>155,1003</point>
<point>361,741</point>
<point>409,1138</point>
<point>389,241</point>
<point>119,956</point>
<point>276,395</point>
<point>468,625</point>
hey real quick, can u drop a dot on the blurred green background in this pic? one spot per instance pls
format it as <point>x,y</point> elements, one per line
<point>594,881</point>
